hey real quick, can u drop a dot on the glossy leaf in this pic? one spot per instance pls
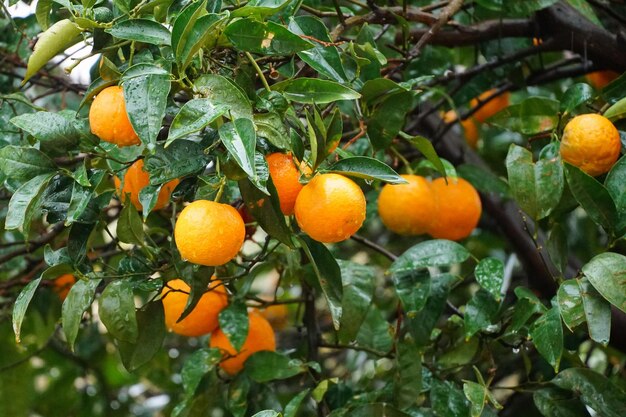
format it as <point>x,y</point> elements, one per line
<point>130,225</point>
<point>24,163</point>
<point>477,396</point>
<point>358,289</point>
<point>554,402</point>
<point>204,33</point>
<point>141,30</point>
<point>328,274</point>
<point>260,8</point>
<point>617,111</point>
<point>270,126</point>
<point>78,300</point>
<point>421,324</point>
<point>426,148</point>
<point>614,184</point>
<point>266,38</point>
<point>291,409</point>
<point>266,366</point>
<point>233,322</point>
<point>387,119</point>
<point>24,203</point>
<point>315,91</point>
<point>531,116</point>
<point>547,334</point>
<point>239,138</point>
<point>490,274</point>
<point>146,88</point>
<point>21,305</point>
<point>571,304</point>
<point>116,307</point>
<point>480,312</point>
<point>180,159</point>
<point>55,132</point>
<point>408,375</point>
<point>485,181</point>
<point>575,95</point>
<point>413,289</point>
<point>366,168</point>
<point>222,92</point>
<point>606,273</point>
<point>198,364</point>
<point>151,333</point>
<point>597,312</point>
<point>448,400</point>
<point>436,252</point>
<point>183,24</point>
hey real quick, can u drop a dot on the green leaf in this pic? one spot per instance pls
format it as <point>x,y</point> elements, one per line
<point>617,111</point>
<point>607,273</point>
<point>358,288</point>
<point>554,402</point>
<point>557,246</point>
<point>184,23</point>
<point>413,288</point>
<point>291,409</point>
<point>479,312</point>
<point>375,332</point>
<point>597,312</point>
<point>436,252</point>
<point>234,323</point>
<point>53,41</point>
<point>477,396</point>
<point>199,285</point>
<point>130,226</point>
<point>55,132</point>
<point>146,88</point>
<point>547,334</point>
<point>426,148</point>
<point>270,126</point>
<point>387,119</point>
<point>266,38</point>
<point>42,13</point>
<point>266,210</point>
<point>575,95</point>
<point>314,91</point>
<point>490,274</point>
<point>531,116</point>
<point>25,203</point>
<point>266,366</point>
<point>614,184</point>
<point>239,138</point>
<point>447,400</point>
<point>324,59</point>
<point>151,333</point>
<point>485,181</point>
<point>422,324</point>
<point>586,10</point>
<point>260,8</point>
<point>379,90</point>
<point>221,91</point>
<point>141,30</point>
<point>24,163</point>
<point>78,300</point>
<point>571,304</point>
<point>205,32</point>
<point>116,307</point>
<point>198,364</point>
<point>180,159</point>
<point>592,196</point>
<point>537,187</point>
<point>21,305</point>
<point>267,413</point>
<point>329,275</point>
<point>595,390</point>
<point>77,241</point>
<point>366,168</point>
<point>408,375</point>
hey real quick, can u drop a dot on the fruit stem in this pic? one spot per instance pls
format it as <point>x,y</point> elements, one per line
<point>406,163</point>
<point>258,71</point>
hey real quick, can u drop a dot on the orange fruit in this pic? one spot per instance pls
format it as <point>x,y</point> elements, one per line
<point>135,180</point>
<point>209,233</point>
<point>591,142</point>
<point>492,107</point>
<point>600,79</point>
<point>285,176</point>
<point>203,318</point>
<point>470,128</point>
<point>260,337</point>
<point>407,209</point>
<point>457,211</point>
<point>63,284</point>
<point>108,118</point>
<point>277,315</point>
<point>330,208</point>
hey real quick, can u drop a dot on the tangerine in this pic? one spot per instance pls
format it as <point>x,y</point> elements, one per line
<point>493,106</point>
<point>135,180</point>
<point>286,178</point>
<point>407,209</point>
<point>63,284</point>
<point>108,118</point>
<point>458,209</point>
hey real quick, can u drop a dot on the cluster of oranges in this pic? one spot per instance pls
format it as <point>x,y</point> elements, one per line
<point>204,319</point>
<point>444,208</point>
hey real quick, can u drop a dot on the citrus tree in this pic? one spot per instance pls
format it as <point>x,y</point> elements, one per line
<point>300,208</point>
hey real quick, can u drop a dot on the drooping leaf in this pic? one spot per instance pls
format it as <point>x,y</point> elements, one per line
<point>607,272</point>
<point>315,91</point>
<point>366,168</point>
<point>194,116</point>
<point>479,312</point>
<point>531,116</point>
<point>423,322</point>
<point>233,322</point>
<point>21,305</point>
<point>426,148</point>
<point>198,364</point>
<point>239,138</point>
<point>25,202</point>
<point>597,312</point>
<point>547,334</point>
<point>571,304</point>
<point>151,333</point>
<point>141,30</point>
<point>130,225</point>
<point>408,375</point>
<point>358,289</point>
<point>78,300</point>
<point>117,310</point>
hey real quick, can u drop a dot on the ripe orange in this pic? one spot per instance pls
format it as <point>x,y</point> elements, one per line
<point>492,107</point>
<point>277,315</point>
<point>209,233</point>
<point>600,79</point>
<point>591,143</point>
<point>108,118</point>
<point>458,209</point>
<point>470,128</point>
<point>330,208</point>
<point>285,176</point>
<point>260,337</point>
<point>63,284</point>
<point>135,180</point>
<point>203,318</point>
<point>407,209</point>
